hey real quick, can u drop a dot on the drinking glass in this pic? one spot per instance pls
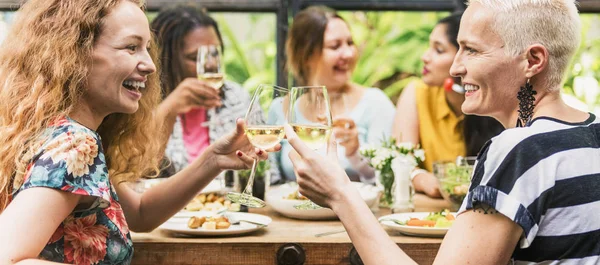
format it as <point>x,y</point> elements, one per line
<point>309,115</point>
<point>209,67</point>
<point>263,133</point>
<point>339,109</point>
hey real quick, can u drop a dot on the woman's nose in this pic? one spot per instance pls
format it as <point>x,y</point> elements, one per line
<point>348,52</point>
<point>457,69</point>
<point>146,65</point>
<point>426,57</point>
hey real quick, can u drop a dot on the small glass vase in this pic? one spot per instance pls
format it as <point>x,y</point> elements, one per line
<point>384,179</point>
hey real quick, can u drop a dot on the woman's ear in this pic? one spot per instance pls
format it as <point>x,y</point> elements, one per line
<point>537,59</point>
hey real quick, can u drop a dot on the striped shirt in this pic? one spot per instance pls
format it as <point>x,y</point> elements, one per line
<point>546,178</point>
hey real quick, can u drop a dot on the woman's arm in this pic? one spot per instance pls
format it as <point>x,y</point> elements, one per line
<point>406,129</point>
<point>406,122</point>
<point>476,237</point>
<point>190,93</point>
<point>146,211</point>
<point>30,220</point>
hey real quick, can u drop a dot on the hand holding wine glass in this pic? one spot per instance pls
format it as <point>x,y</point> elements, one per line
<point>263,133</point>
<point>309,115</point>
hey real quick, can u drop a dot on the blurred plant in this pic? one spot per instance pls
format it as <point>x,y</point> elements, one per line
<point>390,46</point>
<point>584,72</point>
<point>261,169</point>
<point>248,61</point>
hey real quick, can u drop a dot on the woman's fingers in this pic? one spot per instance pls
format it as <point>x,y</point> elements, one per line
<point>344,123</point>
<point>245,158</point>
<point>262,155</point>
<point>240,127</point>
<point>332,148</point>
<point>295,142</point>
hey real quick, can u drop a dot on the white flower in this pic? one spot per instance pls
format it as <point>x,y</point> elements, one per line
<point>420,154</point>
<point>403,164</point>
<point>383,153</point>
<point>406,146</point>
<point>376,162</point>
<point>404,160</point>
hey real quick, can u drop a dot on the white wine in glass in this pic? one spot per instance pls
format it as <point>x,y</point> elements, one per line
<point>263,133</point>
<point>265,136</point>
<point>314,136</point>
<point>209,67</point>
<point>309,115</point>
<point>215,80</point>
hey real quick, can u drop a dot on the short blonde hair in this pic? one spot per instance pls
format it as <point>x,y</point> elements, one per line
<point>554,24</point>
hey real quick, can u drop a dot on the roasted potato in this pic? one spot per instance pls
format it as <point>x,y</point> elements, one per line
<point>196,222</point>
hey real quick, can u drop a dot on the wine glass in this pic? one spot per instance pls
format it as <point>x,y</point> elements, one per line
<point>339,109</point>
<point>263,133</point>
<point>309,115</point>
<point>209,67</point>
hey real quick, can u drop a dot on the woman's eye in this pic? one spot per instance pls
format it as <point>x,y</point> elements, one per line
<point>469,50</point>
<point>131,47</point>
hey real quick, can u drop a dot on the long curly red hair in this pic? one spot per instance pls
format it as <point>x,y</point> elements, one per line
<point>44,65</point>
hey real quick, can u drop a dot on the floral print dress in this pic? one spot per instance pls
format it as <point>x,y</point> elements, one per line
<point>71,159</point>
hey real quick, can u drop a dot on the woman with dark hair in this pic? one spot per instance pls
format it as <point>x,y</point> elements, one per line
<point>180,31</point>
<point>429,114</point>
<point>321,52</point>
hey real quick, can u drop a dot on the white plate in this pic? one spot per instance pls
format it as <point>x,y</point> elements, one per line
<point>412,230</point>
<point>277,194</point>
<point>178,224</point>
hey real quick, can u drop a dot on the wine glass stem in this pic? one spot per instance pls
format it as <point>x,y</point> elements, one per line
<point>248,189</point>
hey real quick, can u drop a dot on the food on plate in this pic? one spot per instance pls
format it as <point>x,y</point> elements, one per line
<point>211,202</point>
<point>196,222</point>
<point>209,223</point>
<point>442,219</point>
<point>295,196</point>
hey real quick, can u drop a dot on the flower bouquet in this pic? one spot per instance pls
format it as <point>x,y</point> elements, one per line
<point>388,156</point>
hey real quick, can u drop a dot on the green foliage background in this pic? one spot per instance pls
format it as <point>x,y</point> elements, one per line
<point>390,45</point>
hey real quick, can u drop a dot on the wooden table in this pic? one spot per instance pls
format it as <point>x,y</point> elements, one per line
<point>261,247</point>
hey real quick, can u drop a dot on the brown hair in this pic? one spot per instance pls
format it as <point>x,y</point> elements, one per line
<point>44,66</point>
<point>305,39</point>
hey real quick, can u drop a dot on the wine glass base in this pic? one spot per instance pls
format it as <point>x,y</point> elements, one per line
<point>246,200</point>
<point>309,205</point>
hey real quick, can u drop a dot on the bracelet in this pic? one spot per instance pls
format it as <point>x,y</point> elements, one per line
<point>416,172</point>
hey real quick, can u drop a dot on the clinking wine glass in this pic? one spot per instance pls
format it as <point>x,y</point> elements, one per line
<point>209,67</point>
<point>309,115</point>
<point>263,133</point>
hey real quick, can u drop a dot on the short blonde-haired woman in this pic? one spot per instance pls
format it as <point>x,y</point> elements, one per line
<point>79,90</point>
<point>534,195</point>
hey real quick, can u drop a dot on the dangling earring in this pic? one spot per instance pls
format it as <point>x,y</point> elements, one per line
<point>526,99</point>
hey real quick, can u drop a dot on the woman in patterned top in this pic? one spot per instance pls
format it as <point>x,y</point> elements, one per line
<point>534,195</point>
<point>76,123</point>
